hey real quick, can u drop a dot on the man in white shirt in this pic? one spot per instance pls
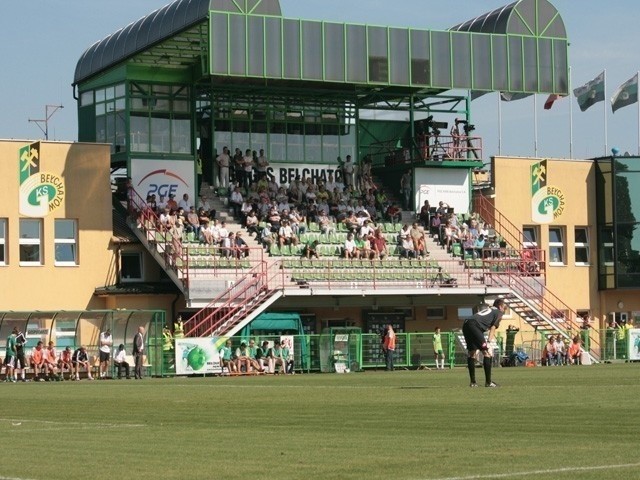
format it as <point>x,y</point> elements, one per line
<point>120,360</point>
<point>263,163</point>
<point>185,203</point>
<point>285,235</point>
<point>223,233</point>
<point>330,185</point>
<point>106,342</point>
<point>223,161</point>
<point>236,202</point>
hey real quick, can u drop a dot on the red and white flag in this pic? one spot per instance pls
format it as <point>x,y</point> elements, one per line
<point>551,100</point>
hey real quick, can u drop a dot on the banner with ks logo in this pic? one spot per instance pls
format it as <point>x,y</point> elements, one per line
<point>40,192</point>
<point>547,202</point>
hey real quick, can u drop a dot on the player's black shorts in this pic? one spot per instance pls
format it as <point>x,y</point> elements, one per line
<point>473,335</point>
<point>104,356</point>
<point>20,361</point>
<point>9,361</point>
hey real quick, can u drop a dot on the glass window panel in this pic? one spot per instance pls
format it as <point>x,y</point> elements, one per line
<point>627,194</point>
<point>530,64</point>
<point>30,229</point>
<point>30,253</point>
<point>560,69</point>
<point>164,90</point>
<point>330,145</point>
<point>555,235</point>
<point>481,61</point>
<point>312,50</point>
<point>65,229</point>
<point>219,42</point>
<point>181,135</point>
<point>295,146</point>
<point>101,129</point>
<point>399,39</point>
<point>86,98</point>
<point>139,126</point>
<point>461,60</point>
<point>556,29</point>
<point>111,128</point>
<point>517,26</point>
<point>237,44</point>
<point>420,66</point>
<point>313,146</point>
<point>160,130</point>
<point>3,229</point>
<point>100,95</point>
<point>277,147</point>
<point>256,46</point>
<point>291,48</point>
<point>356,53</point>
<point>274,47</point>
<point>441,50</point>
<point>259,140</point>
<point>378,54</point>
<point>65,252</point>
<point>109,93</point>
<point>499,52</point>
<point>131,266</point>
<point>120,104</point>
<point>101,109</point>
<point>581,235</point>
<point>515,63</point>
<point>334,51</point>
<point>120,90</point>
<point>545,64</point>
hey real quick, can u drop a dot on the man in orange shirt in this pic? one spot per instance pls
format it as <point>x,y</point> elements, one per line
<point>389,346</point>
<point>65,363</point>
<point>50,361</point>
<point>37,361</point>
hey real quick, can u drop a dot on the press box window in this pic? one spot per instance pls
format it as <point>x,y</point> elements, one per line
<point>30,242</point>
<point>131,267</point>
<point>66,243</point>
<point>581,246</point>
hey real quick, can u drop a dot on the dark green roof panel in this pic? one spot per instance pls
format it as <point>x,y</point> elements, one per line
<point>160,25</point>
<point>524,17</point>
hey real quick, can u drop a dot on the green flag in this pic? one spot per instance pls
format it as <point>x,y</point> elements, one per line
<point>592,92</point>
<point>627,94</point>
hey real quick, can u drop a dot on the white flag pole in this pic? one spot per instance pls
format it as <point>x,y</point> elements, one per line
<point>535,125</point>
<point>605,114</point>
<point>570,115</point>
<point>499,124</point>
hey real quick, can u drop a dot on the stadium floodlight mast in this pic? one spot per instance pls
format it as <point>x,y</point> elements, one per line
<point>45,121</point>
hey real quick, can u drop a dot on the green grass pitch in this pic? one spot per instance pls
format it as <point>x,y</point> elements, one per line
<point>557,422</point>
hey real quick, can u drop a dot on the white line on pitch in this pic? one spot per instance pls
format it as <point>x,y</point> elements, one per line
<point>541,472</point>
<point>88,424</point>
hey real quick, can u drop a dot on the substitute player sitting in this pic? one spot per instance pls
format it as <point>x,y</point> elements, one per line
<point>64,363</point>
<point>474,327</point>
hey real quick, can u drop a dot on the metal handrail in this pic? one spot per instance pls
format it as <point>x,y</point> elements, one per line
<point>503,226</point>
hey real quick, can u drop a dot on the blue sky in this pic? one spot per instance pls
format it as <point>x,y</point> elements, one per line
<point>41,41</point>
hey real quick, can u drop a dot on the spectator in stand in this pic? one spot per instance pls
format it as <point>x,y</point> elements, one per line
<point>325,224</point>
<point>407,247</point>
<point>120,361</point>
<point>351,222</point>
<point>405,189</point>
<point>424,216</point>
<point>172,205</point>
<point>247,167</point>
<point>379,245</point>
<point>394,214</point>
<point>350,249</point>
<point>575,351</point>
<point>240,248</point>
<point>235,201</point>
<point>246,207</point>
<point>243,360</point>
<point>295,191</point>
<point>311,249</point>
<point>434,226</point>
<point>330,184</point>
<point>162,203</point>
<point>449,236</point>
<point>164,220</point>
<point>417,237</point>
<point>274,219</point>
<point>443,208</point>
<point>206,206</point>
<point>272,187</point>
<point>251,223</point>
<point>382,202</point>
<point>227,245</point>
<point>298,222</point>
<point>64,363</point>
<point>267,238</point>
<point>366,230</point>
<point>348,168</point>
<point>223,160</point>
<point>210,234</point>
<point>51,362</point>
<point>151,203</point>
<point>185,203</point>
<point>286,235</point>
<point>364,248</point>
<point>80,360</point>
<point>223,233</point>
<point>193,222</point>
<point>478,245</point>
<point>238,168</point>
<point>37,362</point>
<point>262,165</point>
<point>371,210</point>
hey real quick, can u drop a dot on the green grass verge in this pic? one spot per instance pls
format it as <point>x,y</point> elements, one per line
<point>375,425</point>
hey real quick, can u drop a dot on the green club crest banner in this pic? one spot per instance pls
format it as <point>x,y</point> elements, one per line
<point>40,192</point>
<point>547,201</point>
